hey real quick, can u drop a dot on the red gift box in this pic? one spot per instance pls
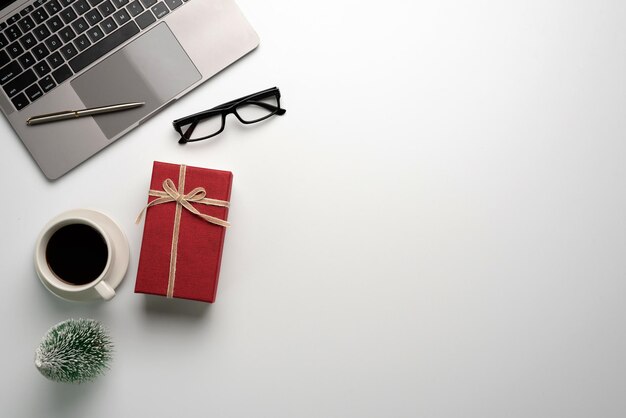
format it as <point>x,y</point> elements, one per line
<point>184,232</point>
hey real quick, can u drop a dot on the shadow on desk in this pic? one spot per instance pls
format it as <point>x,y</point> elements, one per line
<point>159,305</point>
<point>64,399</point>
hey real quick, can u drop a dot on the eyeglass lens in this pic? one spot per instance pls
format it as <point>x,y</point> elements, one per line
<point>206,127</point>
<point>255,110</point>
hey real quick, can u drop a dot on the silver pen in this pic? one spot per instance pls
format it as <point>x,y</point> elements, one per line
<point>72,114</point>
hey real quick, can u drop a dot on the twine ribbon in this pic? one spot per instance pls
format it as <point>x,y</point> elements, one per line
<point>171,194</point>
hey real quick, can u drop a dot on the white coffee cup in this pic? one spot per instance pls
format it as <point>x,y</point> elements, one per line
<point>117,257</point>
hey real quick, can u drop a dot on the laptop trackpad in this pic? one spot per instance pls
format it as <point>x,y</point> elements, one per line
<point>153,69</point>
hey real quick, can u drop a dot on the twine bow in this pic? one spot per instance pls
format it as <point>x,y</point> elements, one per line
<point>171,194</point>
<point>197,195</point>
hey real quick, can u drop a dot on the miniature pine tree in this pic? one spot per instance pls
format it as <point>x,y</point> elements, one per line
<point>74,351</point>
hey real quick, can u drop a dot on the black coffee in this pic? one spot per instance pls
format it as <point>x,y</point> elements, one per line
<point>77,254</point>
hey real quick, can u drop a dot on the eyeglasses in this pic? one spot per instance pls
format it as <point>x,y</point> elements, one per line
<point>249,109</point>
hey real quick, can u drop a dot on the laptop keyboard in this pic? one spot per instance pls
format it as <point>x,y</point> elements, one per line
<point>48,41</point>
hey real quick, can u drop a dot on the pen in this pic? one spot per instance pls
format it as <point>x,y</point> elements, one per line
<point>71,114</point>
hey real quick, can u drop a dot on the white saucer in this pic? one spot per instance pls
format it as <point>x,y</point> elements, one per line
<point>118,267</point>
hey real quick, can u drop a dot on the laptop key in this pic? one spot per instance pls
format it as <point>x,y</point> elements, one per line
<point>145,19</point>
<point>20,82</point>
<point>15,50</point>
<point>55,60</point>
<point>47,83</point>
<point>95,34</point>
<point>41,32</point>
<point>28,41</point>
<point>52,7</point>
<point>69,51</point>
<point>4,58</point>
<point>55,23</point>
<point>26,24</point>
<point>148,3</point>
<point>9,71</point>
<point>82,43</point>
<point>20,101</point>
<point>39,15</point>
<point>66,3</point>
<point>68,14</point>
<point>120,3</point>
<point>160,10</point>
<point>3,41</point>
<point>3,25</point>
<point>106,45</point>
<point>26,10</point>
<point>93,16</point>
<point>134,8</point>
<point>173,4</point>
<point>108,25</point>
<point>53,42</point>
<point>94,3</point>
<point>26,60</point>
<point>40,51</point>
<point>121,16</point>
<point>62,73</point>
<point>80,25</point>
<point>13,32</point>
<point>33,92</point>
<point>81,7</point>
<point>106,8</point>
<point>13,18</point>
<point>66,34</point>
<point>42,68</point>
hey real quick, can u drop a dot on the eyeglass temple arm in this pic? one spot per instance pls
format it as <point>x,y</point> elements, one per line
<point>260,95</point>
<point>209,111</point>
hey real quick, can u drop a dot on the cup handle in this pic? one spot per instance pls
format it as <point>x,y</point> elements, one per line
<point>105,291</point>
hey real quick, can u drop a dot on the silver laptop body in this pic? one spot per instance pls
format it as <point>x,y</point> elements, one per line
<point>187,43</point>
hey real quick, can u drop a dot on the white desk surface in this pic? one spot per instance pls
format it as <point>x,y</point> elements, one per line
<point>436,228</point>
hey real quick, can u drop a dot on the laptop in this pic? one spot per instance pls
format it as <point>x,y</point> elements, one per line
<point>60,55</point>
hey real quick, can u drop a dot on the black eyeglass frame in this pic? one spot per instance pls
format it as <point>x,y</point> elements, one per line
<point>224,110</point>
